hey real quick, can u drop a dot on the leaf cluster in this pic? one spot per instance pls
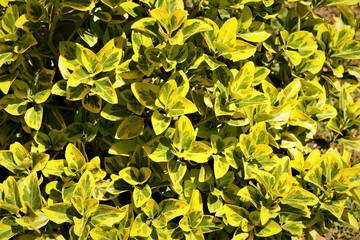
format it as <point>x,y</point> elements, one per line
<point>171,119</point>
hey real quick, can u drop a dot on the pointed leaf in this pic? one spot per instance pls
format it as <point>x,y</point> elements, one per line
<point>105,90</point>
<point>107,216</point>
<point>111,53</point>
<point>172,208</point>
<point>227,33</point>
<point>298,195</point>
<point>92,103</point>
<point>33,116</point>
<point>146,94</point>
<point>158,149</point>
<point>30,191</point>
<point>198,152</point>
<point>159,122</point>
<point>77,93</point>
<point>88,36</point>
<point>86,186</point>
<point>140,227</point>
<point>193,26</point>
<point>184,134</point>
<point>141,195</point>
<point>257,32</point>
<point>235,215</point>
<point>130,128</point>
<point>101,234</point>
<point>210,224</point>
<point>244,78</point>
<point>270,229</point>
<point>74,158</point>
<point>177,170</point>
<point>60,213</point>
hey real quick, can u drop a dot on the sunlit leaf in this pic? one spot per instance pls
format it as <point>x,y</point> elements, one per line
<point>130,127</point>
<point>105,90</point>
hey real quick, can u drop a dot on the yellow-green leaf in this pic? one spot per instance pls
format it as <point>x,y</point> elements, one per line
<point>270,229</point>
<point>92,103</point>
<point>193,26</point>
<point>303,42</point>
<point>177,170</point>
<point>107,216</point>
<point>257,32</point>
<point>132,8</point>
<point>145,93</point>
<point>299,118</point>
<point>210,224</point>
<point>30,192</point>
<point>350,51</point>
<point>336,207</point>
<point>34,116</point>
<point>243,78</point>
<point>294,57</point>
<point>88,36</point>
<point>159,122</point>
<point>315,63</point>
<point>74,158</point>
<point>147,25</point>
<point>221,166</point>
<point>184,134</point>
<point>300,196</point>
<point>6,79</point>
<point>68,55</point>
<point>235,215</point>
<point>170,5</point>
<point>198,152</point>
<point>151,208</point>
<point>314,176</point>
<point>266,213</point>
<point>11,192</point>
<point>227,32</point>
<point>241,51</point>
<point>141,195</point>
<point>167,94</point>
<point>86,186</point>
<point>9,18</point>
<point>140,228</point>
<point>77,93</point>
<point>99,233</point>
<point>162,17</point>
<point>111,53</point>
<point>260,75</point>
<point>80,76</point>
<point>158,149</point>
<point>134,176</point>
<point>130,128</point>
<point>24,43</point>
<point>180,106</point>
<point>60,213</point>
<point>172,208</point>
<point>105,90</point>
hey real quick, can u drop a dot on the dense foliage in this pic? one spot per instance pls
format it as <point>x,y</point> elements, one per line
<point>171,119</point>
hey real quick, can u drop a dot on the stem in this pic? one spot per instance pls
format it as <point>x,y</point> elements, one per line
<point>53,20</point>
<point>204,121</point>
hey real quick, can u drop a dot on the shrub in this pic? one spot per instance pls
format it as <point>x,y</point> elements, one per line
<point>170,119</point>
